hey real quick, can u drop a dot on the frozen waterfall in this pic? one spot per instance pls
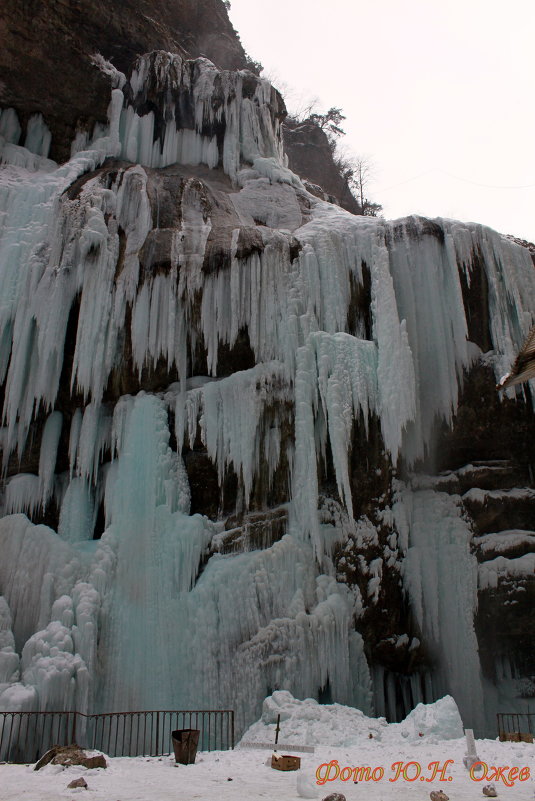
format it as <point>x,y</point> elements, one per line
<point>349,320</point>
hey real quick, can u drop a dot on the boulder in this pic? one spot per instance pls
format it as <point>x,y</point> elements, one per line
<point>81,782</point>
<point>68,755</point>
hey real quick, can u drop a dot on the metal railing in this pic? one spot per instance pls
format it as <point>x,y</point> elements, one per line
<point>515,723</point>
<point>25,736</point>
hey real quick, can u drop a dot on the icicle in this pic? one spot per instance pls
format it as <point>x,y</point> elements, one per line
<point>10,129</point>
<point>48,454</point>
<point>77,515</point>
<point>95,438</point>
<point>231,414</point>
<point>22,494</point>
<point>74,437</point>
<point>38,136</point>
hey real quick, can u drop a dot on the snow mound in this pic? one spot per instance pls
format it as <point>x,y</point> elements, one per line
<point>439,721</point>
<point>310,723</point>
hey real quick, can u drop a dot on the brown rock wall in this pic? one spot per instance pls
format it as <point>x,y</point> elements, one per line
<point>310,156</point>
<point>46,47</point>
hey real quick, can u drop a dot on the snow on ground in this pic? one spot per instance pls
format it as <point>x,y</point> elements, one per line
<point>246,775</point>
<point>153,779</point>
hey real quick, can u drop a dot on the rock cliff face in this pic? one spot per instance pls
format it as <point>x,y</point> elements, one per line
<point>310,156</point>
<point>45,64</point>
<point>249,438</point>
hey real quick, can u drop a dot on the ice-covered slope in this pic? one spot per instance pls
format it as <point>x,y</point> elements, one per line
<point>185,330</point>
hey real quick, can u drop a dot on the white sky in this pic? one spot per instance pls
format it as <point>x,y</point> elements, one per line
<point>439,94</point>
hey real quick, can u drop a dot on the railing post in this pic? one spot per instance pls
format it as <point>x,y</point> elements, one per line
<point>157,733</point>
<point>232,729</point>
<point>73,736</point>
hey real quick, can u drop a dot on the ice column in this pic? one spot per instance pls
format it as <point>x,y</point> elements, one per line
<point>440,577</point>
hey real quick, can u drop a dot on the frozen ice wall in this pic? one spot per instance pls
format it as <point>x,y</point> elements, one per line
<point>440,574</point>
<point>108,298</point>
<point>190,112</point>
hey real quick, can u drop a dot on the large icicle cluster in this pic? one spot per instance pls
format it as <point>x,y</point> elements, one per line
<point>189,112</point>
<point>117,623</point>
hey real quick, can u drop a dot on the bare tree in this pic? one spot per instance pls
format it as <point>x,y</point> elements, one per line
<point>300,105</point>
<point>303,106</point>
<point>359,172</point>
<point>363,174</point>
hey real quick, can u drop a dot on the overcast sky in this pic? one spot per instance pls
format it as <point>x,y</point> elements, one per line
<point>439,94</point>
